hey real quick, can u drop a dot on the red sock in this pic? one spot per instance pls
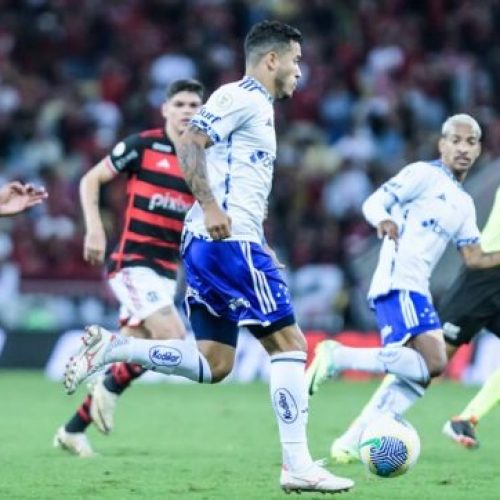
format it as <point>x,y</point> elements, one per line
<point>120,376</point>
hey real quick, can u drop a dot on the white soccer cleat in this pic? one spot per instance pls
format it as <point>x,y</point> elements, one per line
<point>89,358</point>
<point>102,406</point>
<point>344,453</point>
<point>76,443</point>
<point>314,478</point>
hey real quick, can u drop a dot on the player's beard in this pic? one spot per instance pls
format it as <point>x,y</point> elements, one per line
<point>281,93</point>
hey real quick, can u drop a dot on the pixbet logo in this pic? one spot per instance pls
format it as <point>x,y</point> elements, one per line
<point>168,202</point>
<point>165,356</point>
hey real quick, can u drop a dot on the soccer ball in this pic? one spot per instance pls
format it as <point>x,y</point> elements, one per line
<point>389,446</point>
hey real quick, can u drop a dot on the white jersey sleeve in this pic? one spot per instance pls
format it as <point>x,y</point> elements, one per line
<point>407,185</point>
<point>468,234</point>
<point>224,112</point>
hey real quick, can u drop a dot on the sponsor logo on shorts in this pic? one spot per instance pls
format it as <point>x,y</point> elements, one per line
<point>237,303</point>
<point>165,356</point>
<point>285,405</point>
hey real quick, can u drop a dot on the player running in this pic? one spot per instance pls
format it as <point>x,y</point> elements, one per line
<point>143,267</point>
<point>227,155</point>
<point>473,303</point>
<point>417,212</point>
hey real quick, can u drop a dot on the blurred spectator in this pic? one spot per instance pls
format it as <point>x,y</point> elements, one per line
<point>378,79</point>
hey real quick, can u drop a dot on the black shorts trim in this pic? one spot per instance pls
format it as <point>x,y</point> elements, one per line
<point>259,331</point>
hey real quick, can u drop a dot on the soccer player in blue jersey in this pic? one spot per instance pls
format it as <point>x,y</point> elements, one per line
<point>417,213</point>
<point>227,155</point>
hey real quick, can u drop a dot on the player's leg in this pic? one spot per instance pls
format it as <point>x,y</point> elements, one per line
<point>106,389</point>
<point>101,347</point>
<point>164,323</point>
<point>265,309</point>
<point>71,436</point>
<point>287,350</point>
<point>146,311</point>
<point>401,315</point>
<point>462,428</point>
<point>174,356</point>
<point>344,449</point>
<point>470,305</point>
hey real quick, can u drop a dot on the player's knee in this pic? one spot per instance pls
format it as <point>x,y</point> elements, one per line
<point>287,339</point>
<point>436,365</point>
<point>220,371</point>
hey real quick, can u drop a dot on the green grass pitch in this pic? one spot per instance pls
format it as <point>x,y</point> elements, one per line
<point>220,442</point>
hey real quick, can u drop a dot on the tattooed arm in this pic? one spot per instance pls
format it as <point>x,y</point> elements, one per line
<point>192,159</point>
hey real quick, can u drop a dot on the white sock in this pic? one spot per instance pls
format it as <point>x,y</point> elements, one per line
<point>401,361</point>
<point>171,357</point>
<point>290,403</point>
<point>395,395</point>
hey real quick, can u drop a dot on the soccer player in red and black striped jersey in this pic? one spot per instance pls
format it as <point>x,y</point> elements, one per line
<point>143,267</point>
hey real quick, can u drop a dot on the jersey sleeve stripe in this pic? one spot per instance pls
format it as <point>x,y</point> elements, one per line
<point>206,128</point>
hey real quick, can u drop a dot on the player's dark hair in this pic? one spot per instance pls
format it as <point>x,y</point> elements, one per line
<point>268,36</point>
<point>188,85</point>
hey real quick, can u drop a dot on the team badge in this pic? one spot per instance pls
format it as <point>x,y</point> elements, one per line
<point>119,149</point>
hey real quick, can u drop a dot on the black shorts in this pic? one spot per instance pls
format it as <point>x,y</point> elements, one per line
<point>471,304</point>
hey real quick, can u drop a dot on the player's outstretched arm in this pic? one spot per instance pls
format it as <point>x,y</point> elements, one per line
<point>475,258</point>
<point>375,210</point>
<point>94,246</point>
<point>191,154</point>
<point>16,197</point>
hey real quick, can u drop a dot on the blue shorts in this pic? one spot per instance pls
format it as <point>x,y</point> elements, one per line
<point>402,315</point>
<point>237,281</point>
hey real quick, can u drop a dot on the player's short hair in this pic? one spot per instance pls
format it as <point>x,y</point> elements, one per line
<point>268,36</point>
<point>187,85</point>
<point>461,119</point>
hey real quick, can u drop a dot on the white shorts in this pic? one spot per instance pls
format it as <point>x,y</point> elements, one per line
<point>141,292</point>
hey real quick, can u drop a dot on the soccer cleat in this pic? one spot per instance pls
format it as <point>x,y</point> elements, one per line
<point>102,406</point>
<point>90,357</point>
<point>315,478</point>
<point>322,366</point>
<point>76,443</point>
<point>462,432</point>
<point>343,453</point>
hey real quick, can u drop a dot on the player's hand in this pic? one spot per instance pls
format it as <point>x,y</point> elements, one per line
<point>388,228</point>
<point>94,247</point>
<point>217,222</point>
<point>16,197</point>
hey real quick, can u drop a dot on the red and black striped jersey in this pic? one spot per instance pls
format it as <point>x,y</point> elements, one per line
<point>158,199</point>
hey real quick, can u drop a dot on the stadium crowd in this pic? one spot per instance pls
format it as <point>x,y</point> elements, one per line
<point>379,77</point>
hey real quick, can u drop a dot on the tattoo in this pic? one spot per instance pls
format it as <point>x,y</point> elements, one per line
<point>193,163</point>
